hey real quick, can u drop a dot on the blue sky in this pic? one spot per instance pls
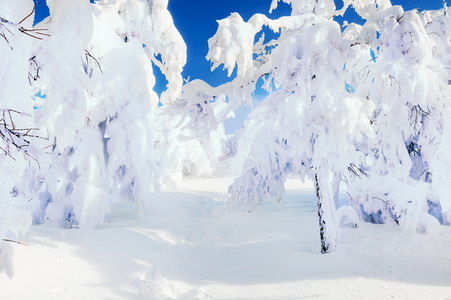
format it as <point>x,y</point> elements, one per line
<point>196,22</point>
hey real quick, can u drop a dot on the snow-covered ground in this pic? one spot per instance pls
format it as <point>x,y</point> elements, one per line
<point>190,246</point>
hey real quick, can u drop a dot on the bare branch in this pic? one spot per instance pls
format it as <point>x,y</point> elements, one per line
<point>52,145</point>
<point>357,171</point>
<point>7,153</point>
<point>35,31</point>
<point>32,11</point>
<point>30,32</point>
<point>14,138</point>
<point>87,54</point>
<point>23,31</point>
<point>399,86</point>
<point>12,123</point>
<point>17,242</point>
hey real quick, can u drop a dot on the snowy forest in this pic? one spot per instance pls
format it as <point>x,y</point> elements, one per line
<point>361,112</point>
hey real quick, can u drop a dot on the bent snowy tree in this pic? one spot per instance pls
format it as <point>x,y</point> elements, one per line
<point>309,124</point>
<point>335,113</point>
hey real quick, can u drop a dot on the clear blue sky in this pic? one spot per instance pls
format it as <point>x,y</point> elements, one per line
<point>196,22</point>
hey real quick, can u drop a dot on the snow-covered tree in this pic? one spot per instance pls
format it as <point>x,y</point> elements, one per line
<point>88,68</point>
<point>355,104</point>
<point>308,125</point>
<point>100,110</point>
<point>91,64</point>
<point>408,83</point>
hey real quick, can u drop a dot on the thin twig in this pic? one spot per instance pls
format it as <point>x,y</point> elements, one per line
<point>37,29</point>
<point>11,119</point>
<point>97,62</point>
<point>28,129</point>
<point>32,11</point>
<point>17,242</point>
<point>36,137</point>
<point>52,145</point>
<point>7,153</point>
<point>30,35</point>
<point>4,36</point>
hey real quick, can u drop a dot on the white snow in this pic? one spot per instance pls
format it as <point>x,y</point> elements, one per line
<point>366,109</point>
<point>190,245</point>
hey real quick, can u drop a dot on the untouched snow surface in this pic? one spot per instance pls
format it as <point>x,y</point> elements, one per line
<point>189,245</point>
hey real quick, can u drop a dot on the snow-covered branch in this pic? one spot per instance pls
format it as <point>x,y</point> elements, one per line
<point>8,28</point>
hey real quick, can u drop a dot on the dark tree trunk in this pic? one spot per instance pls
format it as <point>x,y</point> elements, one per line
<point>322,223</point>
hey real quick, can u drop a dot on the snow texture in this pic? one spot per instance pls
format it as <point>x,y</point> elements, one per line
<point>189,246</point>
<point>360,110</point>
